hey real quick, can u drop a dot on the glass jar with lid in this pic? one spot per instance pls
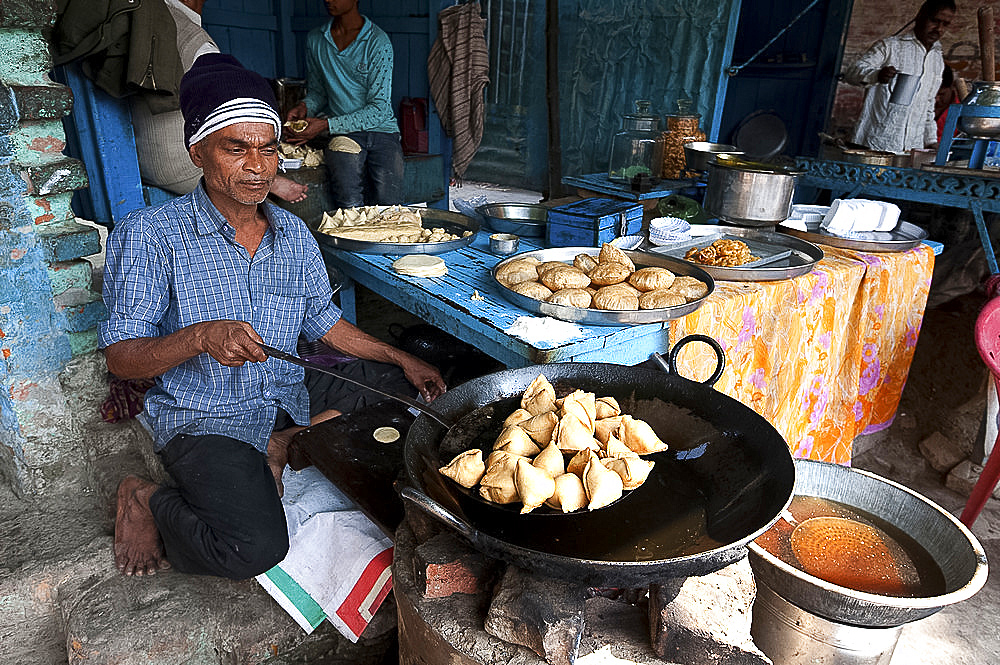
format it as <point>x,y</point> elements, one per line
<point>636,149</point>
<point>682,127</point>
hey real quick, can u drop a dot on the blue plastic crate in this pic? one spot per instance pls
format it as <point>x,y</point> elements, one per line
<point>592,222</point>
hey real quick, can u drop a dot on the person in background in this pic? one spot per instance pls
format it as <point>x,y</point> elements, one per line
<point>159,137</point>
<point>886,125</point>
<point>193,287</point>
<point>349,88</point>
<point>945,97</point>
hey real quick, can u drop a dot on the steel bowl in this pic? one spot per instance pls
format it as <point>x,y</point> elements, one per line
<point>522,219</point>
<point>503,243</point>
<point>698,154</point>
<point>873,157</point>
<point>956,551</point>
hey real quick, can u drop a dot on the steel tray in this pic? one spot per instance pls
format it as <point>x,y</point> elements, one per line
<point>905,236</point>
<point>781,256</point>
<point>452,222</point>
<point>600,317</point>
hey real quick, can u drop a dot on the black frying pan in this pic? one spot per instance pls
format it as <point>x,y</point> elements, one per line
<point>725,480</point>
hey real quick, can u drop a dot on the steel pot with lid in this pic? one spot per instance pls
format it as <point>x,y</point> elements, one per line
<point>981,116</point>
<point>748,193</point>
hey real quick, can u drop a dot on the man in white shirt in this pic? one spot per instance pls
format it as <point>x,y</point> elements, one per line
<point>891,125</point>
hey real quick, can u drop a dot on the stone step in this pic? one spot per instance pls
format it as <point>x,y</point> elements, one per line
<point>79,309</point>
<point>68,240</point>
<point>63,599</point>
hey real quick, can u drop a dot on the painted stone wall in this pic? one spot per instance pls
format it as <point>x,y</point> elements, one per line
<point>48,308</point>
<point>872,19</point>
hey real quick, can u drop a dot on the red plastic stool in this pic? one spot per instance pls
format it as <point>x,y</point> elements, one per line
<point>988,343</point>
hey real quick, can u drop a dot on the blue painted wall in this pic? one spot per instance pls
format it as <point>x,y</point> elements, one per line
<point>35,349</point>
<point>611,53</point>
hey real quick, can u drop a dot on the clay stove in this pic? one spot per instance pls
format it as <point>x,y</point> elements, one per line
<point>457,606</point>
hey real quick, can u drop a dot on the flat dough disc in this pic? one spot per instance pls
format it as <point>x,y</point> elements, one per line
<point>420,265</point>
<point>386,434</point>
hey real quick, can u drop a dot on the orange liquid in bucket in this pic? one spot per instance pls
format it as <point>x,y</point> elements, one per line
<point>853,549</point>
<point>847,553</point>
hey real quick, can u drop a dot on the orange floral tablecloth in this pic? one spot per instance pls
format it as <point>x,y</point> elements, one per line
<point>823,357</point>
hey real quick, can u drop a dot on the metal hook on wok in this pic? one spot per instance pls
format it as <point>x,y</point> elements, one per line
<point>669,364</point>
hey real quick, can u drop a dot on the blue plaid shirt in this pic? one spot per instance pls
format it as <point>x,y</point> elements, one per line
<point>178,264</point>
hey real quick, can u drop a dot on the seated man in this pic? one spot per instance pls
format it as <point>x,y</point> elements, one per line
<point>349,84</point>
<point>163,159</point>
<point>192,287</point>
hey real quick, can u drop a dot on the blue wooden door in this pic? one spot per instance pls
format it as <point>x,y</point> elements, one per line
<point>796,76</point>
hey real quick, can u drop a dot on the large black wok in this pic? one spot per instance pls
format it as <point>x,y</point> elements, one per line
<point>724,481</point>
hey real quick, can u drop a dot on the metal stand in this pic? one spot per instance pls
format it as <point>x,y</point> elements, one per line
<point>956,111</point>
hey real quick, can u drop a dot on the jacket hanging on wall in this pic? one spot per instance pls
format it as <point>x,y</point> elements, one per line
<point>458,68</point>
<point>125,47</point>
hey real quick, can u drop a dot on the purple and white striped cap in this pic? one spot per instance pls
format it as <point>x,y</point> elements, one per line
<point>218,91</point>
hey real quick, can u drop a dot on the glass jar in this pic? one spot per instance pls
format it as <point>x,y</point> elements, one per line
<point>681,128</point>
<point>637,148</point>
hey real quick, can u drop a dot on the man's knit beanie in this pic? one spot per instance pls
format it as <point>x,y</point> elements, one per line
<point>218,91</point>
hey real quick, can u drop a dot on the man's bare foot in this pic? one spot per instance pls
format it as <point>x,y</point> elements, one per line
<point>288,190</point>
<point>277,454</point>
<point>278,444</point>
<point>137,542</point>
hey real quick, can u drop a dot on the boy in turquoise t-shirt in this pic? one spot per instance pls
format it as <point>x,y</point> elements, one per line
<point>349,83</point>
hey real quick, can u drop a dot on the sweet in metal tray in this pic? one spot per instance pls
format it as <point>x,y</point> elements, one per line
<point>905,236</point>
<point>779,256</point>
<point>599,317</point>
<point>452,222</point>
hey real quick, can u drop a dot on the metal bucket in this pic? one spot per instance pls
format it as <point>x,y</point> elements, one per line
<point>788,634</point>
<point>952,546</point>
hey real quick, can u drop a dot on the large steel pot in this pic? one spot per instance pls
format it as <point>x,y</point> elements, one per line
<point>725,479</point>
<point>747,193</point>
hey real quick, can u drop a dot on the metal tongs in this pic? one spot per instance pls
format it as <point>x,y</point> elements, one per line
<point>409,401</point>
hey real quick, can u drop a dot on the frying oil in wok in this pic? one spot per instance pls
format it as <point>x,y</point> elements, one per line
<point>859,551</point>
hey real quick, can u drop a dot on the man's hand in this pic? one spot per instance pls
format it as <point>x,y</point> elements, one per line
<point>232,343</point>
<point>886,74</point>
<point>424,377</point>
<point>297,112</point>
<point>314,128</point>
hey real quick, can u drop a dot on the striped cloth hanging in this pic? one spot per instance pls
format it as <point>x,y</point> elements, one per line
<point>458,70</point>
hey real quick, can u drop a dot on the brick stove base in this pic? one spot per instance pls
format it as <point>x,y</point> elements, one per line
<point>444,591</point>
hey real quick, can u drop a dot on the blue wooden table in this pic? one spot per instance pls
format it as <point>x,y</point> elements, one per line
<point>602,184</point>
<point>976,190</point>
<point>467,303</point>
